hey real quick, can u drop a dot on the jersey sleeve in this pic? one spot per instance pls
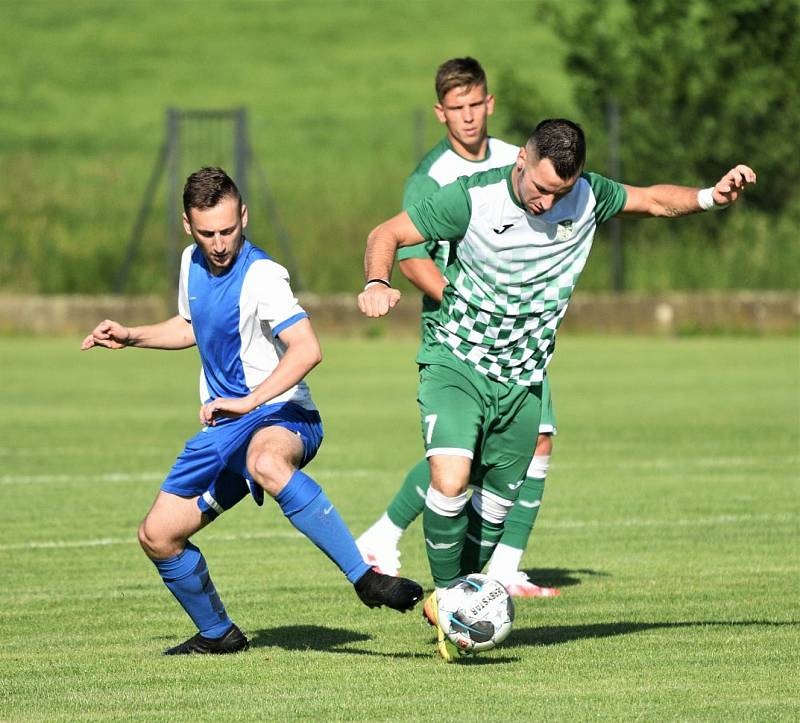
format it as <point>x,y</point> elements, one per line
<point>277,305</point>
<point>183,283</point>
<point>610,196</point>
<point>418,186</point>
<point>445,214</point>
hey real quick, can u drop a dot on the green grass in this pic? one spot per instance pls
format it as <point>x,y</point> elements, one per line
<point>670,523</point>
<point>332,87</point>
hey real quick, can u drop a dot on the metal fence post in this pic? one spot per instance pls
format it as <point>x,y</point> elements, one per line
<point>240,151</point>
<point>173,165</point>
<point>614,171</point>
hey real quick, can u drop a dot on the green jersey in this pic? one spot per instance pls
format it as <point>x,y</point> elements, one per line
<point>513,273</point>
<point>440,166</point>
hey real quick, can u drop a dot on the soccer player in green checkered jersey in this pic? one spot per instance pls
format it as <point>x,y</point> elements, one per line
<point>522,235</point>
<point>464,106</point>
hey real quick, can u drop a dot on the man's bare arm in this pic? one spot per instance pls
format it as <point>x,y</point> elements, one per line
<point>174,333</point>
<point>382,244</point>
<point>425,275</point>
<point>672,201</point>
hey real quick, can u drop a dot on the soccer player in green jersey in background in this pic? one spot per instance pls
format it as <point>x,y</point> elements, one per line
<point>522,235</point>
<point>464,106</point>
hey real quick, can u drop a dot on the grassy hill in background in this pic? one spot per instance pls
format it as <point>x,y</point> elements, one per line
<point>339,97</point>
<point>332,88</point>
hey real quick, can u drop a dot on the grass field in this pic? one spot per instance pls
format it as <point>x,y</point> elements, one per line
<point>332,88</point>
<point>340,96</point>
<point>671,522</point>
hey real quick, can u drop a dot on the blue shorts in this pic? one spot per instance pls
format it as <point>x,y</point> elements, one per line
<point>213,464</point>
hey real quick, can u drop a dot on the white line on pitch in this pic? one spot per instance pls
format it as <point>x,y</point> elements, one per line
<point>291,534</point>
<point>108,541</point>
<point>645,464</point>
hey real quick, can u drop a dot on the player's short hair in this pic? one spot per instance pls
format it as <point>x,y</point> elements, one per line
<point>562,142</point>
<point>207,187</point>
<point>459,73</point>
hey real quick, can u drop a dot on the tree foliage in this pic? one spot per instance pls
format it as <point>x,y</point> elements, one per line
<point>700,85</point>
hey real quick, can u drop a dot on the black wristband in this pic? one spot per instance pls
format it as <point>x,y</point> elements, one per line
<point>378,281</point>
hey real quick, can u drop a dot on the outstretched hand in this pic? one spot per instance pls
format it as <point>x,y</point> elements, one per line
<point>378,300</point>
<point>729,188</point>
<point>108,334</point>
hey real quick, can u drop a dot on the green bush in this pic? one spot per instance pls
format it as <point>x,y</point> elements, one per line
<point>699,86</point>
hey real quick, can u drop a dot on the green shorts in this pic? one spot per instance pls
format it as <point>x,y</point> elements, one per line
<point>547,424</point>
<point>464,413</point>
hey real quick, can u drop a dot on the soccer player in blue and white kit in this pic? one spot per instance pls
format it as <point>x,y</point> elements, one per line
<point>260,426</point>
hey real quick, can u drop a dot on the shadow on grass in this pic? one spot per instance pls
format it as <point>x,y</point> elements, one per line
<point>559,634</point>
<point>559,577</point>
<point>319,638</point>
<point>338,640</point>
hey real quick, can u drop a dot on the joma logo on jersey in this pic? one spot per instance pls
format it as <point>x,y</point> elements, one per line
<point>564,231</point>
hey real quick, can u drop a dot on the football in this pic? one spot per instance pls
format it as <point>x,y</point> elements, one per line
<point>476,613</point>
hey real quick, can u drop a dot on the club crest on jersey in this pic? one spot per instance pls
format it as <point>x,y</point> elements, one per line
<point>564,231</point>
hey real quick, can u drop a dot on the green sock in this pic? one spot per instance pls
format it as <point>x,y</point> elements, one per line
<point>522,516</point>
<point>409,501</point>
<point>482,537</point>
<point>444,541</point>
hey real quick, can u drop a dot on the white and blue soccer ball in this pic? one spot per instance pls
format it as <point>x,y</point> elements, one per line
<point>476,613</point>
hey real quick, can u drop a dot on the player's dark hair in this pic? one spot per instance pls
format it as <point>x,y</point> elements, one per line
<point>207,187</point>
<point>459,73</point>
<point>562,142</point>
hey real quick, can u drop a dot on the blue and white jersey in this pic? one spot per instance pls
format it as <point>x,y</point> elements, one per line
<point>237,318</point>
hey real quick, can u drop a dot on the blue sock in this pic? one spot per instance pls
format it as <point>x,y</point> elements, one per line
<point>310,511</point>
<point>186,576</point>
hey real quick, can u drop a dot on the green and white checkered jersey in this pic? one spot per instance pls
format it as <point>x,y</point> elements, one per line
<point>440,166</point>
<point>514,273</point>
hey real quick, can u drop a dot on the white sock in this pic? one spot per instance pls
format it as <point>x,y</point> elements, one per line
<point>443,505</point>
<point>385,531</point>
<point>504,563</point>
<point>539,466</point>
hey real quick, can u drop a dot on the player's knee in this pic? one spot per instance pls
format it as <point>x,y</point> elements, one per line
<point>156,544</point>
<point>450,475</point>
<point>146,541</point>
<point>270,470</point>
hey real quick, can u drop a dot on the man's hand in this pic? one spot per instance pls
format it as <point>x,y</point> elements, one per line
<point>108,334</point>
<point>729,188</point>
<point>224,407</point>
<point>378,300</point>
